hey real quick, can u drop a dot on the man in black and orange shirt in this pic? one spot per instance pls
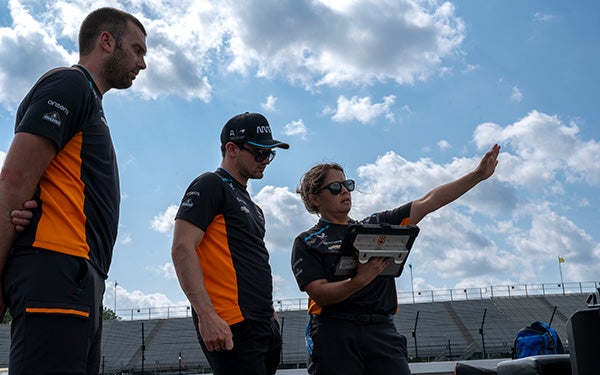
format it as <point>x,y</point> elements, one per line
<point>63,158</point>
<point>220,256</point>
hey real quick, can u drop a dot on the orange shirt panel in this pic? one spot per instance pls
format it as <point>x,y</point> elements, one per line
<point>219,273</point>
<point>62,225</point>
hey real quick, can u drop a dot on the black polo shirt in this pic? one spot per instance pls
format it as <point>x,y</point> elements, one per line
<point>314,255</point>
<point>78,194</point>
<point>232,253</point>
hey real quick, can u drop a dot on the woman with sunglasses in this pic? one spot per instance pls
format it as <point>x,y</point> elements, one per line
<point>351,329</point>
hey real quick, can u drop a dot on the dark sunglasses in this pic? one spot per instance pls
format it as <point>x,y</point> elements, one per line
<point>336,187</point>
<point>260,155</point>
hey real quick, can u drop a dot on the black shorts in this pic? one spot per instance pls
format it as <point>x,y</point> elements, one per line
<point>56,304</point>
<point>256,349</point>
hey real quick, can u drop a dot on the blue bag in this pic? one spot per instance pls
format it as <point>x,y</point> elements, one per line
<point>536,339</point>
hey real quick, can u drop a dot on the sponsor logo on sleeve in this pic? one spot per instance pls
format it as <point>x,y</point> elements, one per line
<point>58,106</point>
<point>52,117</point>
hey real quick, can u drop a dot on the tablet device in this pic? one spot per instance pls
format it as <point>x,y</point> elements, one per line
<point>364,241</point>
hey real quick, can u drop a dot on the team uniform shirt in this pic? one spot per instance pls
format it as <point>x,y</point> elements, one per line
<point>78,195</point>
<point>314,257</point>
<point>232,253</point>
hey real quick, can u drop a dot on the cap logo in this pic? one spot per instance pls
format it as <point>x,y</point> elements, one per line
<point>236,135</point>
<point>264,129</point>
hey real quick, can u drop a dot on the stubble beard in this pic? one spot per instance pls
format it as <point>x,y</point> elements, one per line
<point>251,173</point>
<point>116,71</point>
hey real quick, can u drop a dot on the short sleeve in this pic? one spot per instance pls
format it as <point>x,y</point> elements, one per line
<point>202,201</point>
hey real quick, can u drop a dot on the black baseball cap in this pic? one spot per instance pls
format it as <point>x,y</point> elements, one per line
<point>252,128</point>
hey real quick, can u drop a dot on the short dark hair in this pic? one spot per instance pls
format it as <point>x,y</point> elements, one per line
<point>104,19</point>
<point>312,181</point>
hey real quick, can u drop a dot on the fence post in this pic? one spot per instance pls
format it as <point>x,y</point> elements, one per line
<point>414,335</point>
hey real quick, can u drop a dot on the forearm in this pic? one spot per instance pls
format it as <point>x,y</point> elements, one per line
<point>447,193</point>
<point>442,195</point>
<point>326,293</point>
<point>7,236</point>
<point>10,198</point>
<point>25,163</point>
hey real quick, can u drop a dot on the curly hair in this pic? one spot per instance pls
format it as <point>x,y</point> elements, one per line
<point>312,180</point>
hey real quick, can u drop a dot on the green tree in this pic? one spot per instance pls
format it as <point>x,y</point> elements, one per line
<point>108,314</point>
<point>7,317</point>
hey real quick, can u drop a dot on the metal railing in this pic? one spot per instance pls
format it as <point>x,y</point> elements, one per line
<point>428,296</point>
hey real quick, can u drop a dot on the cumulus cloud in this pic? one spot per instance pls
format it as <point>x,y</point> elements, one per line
<point>325,43</point>
<point>392,180</point>
<point>165,221</point>
<point>128,302</point>
<point>125,238</point>
<point>269,104</point>
<point>516,95</point>
<point>166,271</point>
<point>284,215</point>
<point>361,109</point>
<point>544,147</point>
<point>550,235</point>
<point>27,50</point>
<point>310,43</point>
<point>543,17</point>
<point>295,128</point>
<point>444,145</point>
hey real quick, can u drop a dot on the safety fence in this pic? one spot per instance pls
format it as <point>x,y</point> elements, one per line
<point>421,296</point>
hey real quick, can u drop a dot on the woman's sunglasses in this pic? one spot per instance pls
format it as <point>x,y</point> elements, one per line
<point>260,155</point>
<point>336,187</point>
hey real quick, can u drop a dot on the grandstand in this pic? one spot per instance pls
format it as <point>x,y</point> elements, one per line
<point>449,331</point>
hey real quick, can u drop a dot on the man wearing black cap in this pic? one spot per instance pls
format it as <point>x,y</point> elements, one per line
<point>220,256</point>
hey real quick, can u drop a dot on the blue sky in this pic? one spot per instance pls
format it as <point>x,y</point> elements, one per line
<point>405,94</point>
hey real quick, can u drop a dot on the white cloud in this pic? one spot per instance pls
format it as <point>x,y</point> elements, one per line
<point>165,221</point>
<point>352,43</point>
<point>456,247</point>
<point>543,17</point>
<point>544,147</point>
<point>444,145</point>
<point>125,238</point>
<point>188,40</point>
<point>285,216</point>
<point>550,235</point>
<point>269,105</point>
<point>27,50</point>
<point>362,110</point>
<point>470,68</point>
<point>125,300</point>
<point>295,128</point>
<point>2,157</point>
<point>166,271</point>
<point>516,95</point>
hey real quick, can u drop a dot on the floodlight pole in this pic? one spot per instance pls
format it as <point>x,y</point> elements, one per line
<point>116,283</point>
